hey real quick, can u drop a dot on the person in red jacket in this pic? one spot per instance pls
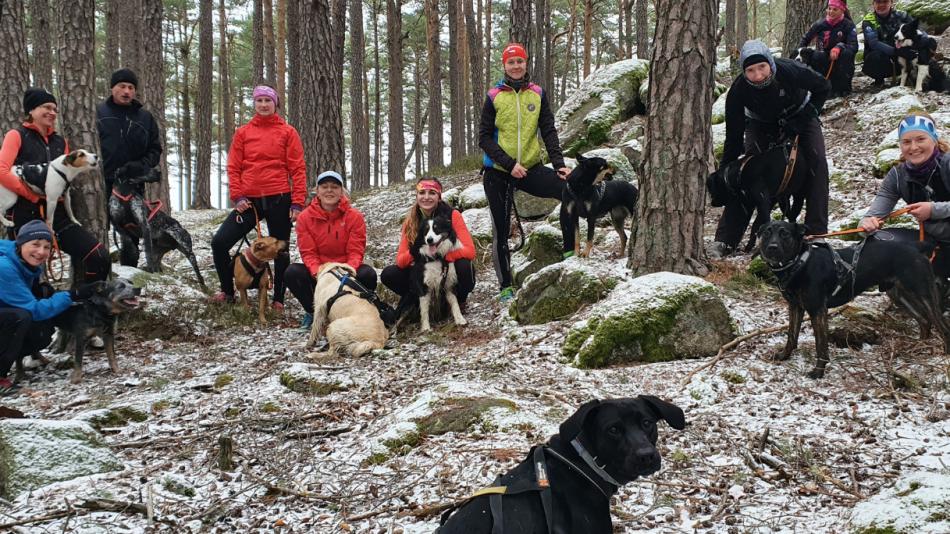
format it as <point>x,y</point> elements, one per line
<point>429,204</point>
<point>267,179</point>
<point>329,230</point>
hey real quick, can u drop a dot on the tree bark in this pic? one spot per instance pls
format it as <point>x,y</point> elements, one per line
<point>588,32</point>
<point>14,62</point>
<point>257,41</point>
<point>668,229</point>
<point>546,67</point>
<point>281,72</point>
<point>799,15</point>
<point>77,106</point>
<point>130,12</point>
<point>203,107</point>
<point>456,98</point>
<point>520,31</point>
<point>184,51</point>
<point>571,28</point>
<point>433,49</point>
<point>397,136</point>
<point>729,34</point>
<point>475,69</point>
<point>621,36</point>
<point>643,38</point>
<point>377,104</point>
<point>488,45</point>
<point>152,89</point>
<point>293,61</point>
<point>742,23</point>
<point>270,52</point>
<point>42,45</point>
<point>224,71</point>
<point>113,31</point>
<point>417,124</point>
<point>359,129</point>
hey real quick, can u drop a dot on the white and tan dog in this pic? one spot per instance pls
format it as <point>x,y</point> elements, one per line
<point>59,176</point>
<point>352,323</point>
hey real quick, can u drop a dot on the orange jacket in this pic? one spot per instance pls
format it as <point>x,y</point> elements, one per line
<point>266,158</point>
<point>337,236</point>
<point>8,154</point>
<point>467,252</point>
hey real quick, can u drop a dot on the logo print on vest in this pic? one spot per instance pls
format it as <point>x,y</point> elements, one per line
<point>530,107</point>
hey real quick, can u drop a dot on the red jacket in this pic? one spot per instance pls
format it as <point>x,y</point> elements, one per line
<point>266,157</point>
<point>467,252</point>
<point>338,236</point>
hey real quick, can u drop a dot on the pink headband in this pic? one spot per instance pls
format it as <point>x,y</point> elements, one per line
<point>840,4</point>
<point>429,184</point>
<point>263,90</point>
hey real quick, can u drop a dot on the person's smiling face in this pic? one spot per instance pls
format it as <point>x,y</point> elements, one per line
<point>36,252</point>
<point>917,147</point>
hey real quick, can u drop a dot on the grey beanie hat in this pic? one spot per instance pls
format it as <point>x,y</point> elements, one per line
<point>755,51</point>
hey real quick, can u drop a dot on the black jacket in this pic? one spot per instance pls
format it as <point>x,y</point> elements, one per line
<point>126,134</point>
<point>879,33</point>
<point>844,34</point>
<point>784,100</point>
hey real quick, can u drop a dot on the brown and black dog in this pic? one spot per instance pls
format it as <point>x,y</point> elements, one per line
<point>254,266</point>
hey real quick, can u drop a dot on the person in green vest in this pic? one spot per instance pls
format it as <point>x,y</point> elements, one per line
<point>515,112</point>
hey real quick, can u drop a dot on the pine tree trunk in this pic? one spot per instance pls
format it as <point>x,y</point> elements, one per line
<point>42,46</point>
<point>130,12</point>
<point>338,34</point>
<point>571,28</point>
<point>668,230</point>
<point>621,37</point>
<point>475,71</point>
<point>521,24</point>
<point>282,48</point>
<point>359,129</point>
<point>433,49</point>
<point>292,109</point>
<point>270,59</point>
<point>113,31</point>
<point>588,32</point>
<point>488,45</point>
<point>14,62</point>
<point>546,76</point>
<point>729,33</point>
<point>152,89</point>
<point>203,107</point>
<point>397,136</point>
<point>224,71</point>
<point>322,135</point>
<point>456,99</point>
<point>377,128</point>
<point>77,106</point>
<point>643,38</point>
<point>628,18</point>
<point>257,42</point>
<point>799,15</point>
<point>417,111</point>
<point>742,23</point>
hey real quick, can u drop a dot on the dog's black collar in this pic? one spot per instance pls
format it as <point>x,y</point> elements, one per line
<point>589,460</point>
<point>785,273</point>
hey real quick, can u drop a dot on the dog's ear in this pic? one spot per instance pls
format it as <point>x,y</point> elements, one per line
<point>581,158</point>
<point>574,424</point>
<point>800,231</point>
<point>669,412</point>
<point>70,158</point>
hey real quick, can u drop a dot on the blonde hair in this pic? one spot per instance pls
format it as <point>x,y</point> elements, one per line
<point>942,144</point>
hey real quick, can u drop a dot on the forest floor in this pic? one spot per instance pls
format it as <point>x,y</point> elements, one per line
<point>765,450</point>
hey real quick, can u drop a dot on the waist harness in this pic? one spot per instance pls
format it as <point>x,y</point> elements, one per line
<point>386,312</point>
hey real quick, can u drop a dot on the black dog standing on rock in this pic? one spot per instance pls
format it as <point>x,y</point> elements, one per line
<point>564,486</point>
<point>815,277</point>
<point>591,193</point>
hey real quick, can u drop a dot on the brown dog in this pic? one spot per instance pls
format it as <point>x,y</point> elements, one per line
<point>254,264</point>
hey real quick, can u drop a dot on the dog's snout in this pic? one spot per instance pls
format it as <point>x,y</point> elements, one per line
<point>647,458</point>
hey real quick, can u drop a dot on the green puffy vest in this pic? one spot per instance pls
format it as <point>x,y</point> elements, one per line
<point>516,123</point>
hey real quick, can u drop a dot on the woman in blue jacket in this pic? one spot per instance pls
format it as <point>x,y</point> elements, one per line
<point>25,324</point>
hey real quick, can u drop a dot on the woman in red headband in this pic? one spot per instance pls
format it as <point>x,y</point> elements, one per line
<point>429,204</point>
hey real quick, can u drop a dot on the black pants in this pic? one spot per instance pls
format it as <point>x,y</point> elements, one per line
<point>879,65</point>
<point>302,285</point>
<point>540,181</point>
<point>811,153</point>
<point>399,280</point>
<point>275,210</point>
<point>21,336</point>
<point>841,73</point>
<point>87,254</point>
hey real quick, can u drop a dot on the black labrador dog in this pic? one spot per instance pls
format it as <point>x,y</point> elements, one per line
<point>592,193</point>
<point>815,277</point>
<point>565,485</point>
<point>136,221</point>
<point>756,181</point>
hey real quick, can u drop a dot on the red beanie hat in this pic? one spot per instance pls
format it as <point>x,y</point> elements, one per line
<point>513,50</point>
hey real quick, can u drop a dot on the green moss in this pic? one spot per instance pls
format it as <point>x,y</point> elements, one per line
<point>758,268</point>
<point>222,380</point>
<point>732,377</point>
<point>403,444</point>
<point>232,412</point>
<point>270,407</point>
<point>117,417</point>
<point>177,487</point>
<point>309,386</point>
<point>934,13</point>
<point>874,529</point>
<point>377,458</point>
<point>743,283</point>
<point>459,415</point>
<point>160,405</point>
<point>557,293</point>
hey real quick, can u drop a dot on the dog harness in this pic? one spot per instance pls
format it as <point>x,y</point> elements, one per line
<point>252,264</point>
<point>34,174</point>
<point>154,206</point>
<point>844,271</point>
<point>385,310</point>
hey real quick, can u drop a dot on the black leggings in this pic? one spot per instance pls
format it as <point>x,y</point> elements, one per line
<point>302,285</point>
<point>841,73</point>
<point>87,254</point>
<point>398,279</point>
<point>275,210</point>
<point>21,335</point>
<point>540,181</point>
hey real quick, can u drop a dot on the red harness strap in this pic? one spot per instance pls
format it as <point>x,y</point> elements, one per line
<point>154,206</point>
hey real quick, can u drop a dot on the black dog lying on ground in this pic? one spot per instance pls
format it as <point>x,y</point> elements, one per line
<point>815,277</point>
<point>756,181</point>
<point>591,193</point>
<point>135,222</point>
<point>96,317</point>
<point>565,485</point>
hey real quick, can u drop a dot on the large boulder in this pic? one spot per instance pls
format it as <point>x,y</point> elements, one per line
<point>886,159</point>
<point>606,97</point>
<point>934,14</point>
<point>627,130</point>
<point>542,248</point>
<point>471,197</point>
<point>559,290</point>
<point>623,170</point>
<point>916,502</point>
<point>892,104</point>
<point>652,318</point>
<point>478,222</point>
<point>37,452</point>
<point>633,150</point>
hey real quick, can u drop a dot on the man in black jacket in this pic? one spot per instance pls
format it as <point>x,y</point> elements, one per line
<point>130,143</point>
<point>773,99</point>
<point>880,28</point>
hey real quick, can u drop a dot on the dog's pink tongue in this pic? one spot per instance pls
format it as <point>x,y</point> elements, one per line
<point>432,249</point>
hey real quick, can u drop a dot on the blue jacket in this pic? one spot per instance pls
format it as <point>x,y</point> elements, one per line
<point>16,283</point>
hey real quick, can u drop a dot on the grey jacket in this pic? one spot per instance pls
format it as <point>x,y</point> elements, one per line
<point>895,187</point>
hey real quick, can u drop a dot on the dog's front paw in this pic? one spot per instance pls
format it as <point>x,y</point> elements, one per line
<point>817,373</point>
<point>461,321</point>
<point>6,222</point>
<point>76,376</point>
<point>780,356</point>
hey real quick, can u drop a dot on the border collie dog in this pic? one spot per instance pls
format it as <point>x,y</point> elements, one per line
<point>431,275</point>
<point>915,51</point>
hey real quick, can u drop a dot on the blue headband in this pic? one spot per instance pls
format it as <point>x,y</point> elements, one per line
<point>919,123</point>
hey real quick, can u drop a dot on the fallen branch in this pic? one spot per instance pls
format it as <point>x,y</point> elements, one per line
<point>36,519</point>
<point>292,492</point>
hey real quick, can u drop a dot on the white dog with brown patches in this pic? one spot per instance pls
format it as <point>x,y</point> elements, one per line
<point>59,175</point>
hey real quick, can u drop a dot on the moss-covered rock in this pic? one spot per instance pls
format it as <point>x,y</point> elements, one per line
<point>886,159</point>
<point>623,170</point>
<point>557,291</point>
<point>633,150</point>
<point>719,109</point>
<point>934,14</point>
<point>624,131</point>
<point>459,415</point>
<point>451,197</point>
<point>114,417</point>
<point>313,380</point>
<point>893,104</point>
<point>532,208</point>
<point>542,248</point>
<point>472,197</point>
<point>478,222</point>
<point>719,139</point>
<point>759,269</point>
<point>918,502</point>
<point>652,318</point>
<point>37,452</point>
<point>606,97</point>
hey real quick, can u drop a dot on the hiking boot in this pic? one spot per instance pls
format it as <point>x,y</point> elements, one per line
<point>507,295</point>
<point>277,306</point>
<point>221,298</point>
<point>7,387</point>
<point>306,322</point>
<point>718,250</point>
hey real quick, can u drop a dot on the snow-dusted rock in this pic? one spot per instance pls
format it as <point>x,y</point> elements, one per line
<point>719,109</point>
<point>559,290</point>
<point>451,197</point>
<point>893,103</point>
<point>656,317</point>
<point>37,452</point>
<point>314,379</point>
<point>934,14</point>
<point>472,196</point>
<point>719,139</point>
<point>531,207</point>
<point>623,170</point>
<point>917,502</point>
<point>633,150</point>
<point>886,159</point>
<point>627,130</point>
<point>606,97</point>
<point>542,248</point>
<point>478,222</point>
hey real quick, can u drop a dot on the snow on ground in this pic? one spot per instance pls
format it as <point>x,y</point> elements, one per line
<point>765,450</point>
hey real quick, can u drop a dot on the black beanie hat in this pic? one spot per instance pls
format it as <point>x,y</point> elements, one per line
<point>753,59</point>
<point>124,75</point>
<point>35,97</point>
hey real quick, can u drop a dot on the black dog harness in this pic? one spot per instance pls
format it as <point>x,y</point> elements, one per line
<point>844,271</point>
<point>35,175</point>
<point>385,311</point>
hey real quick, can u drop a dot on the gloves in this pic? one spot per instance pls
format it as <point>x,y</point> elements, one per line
<point>131,170</point>
<point>834,53</point>
<point>86,291</point>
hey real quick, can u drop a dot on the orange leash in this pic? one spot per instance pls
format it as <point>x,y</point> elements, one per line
<point>891,215</point>
<point>830,66</point>
<point>257,220</point>
<point>57,252</point>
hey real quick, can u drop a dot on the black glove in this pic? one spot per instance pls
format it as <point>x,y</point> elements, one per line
<point>131,171</point>
<point>86,291</point>
<point>43,290</point>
